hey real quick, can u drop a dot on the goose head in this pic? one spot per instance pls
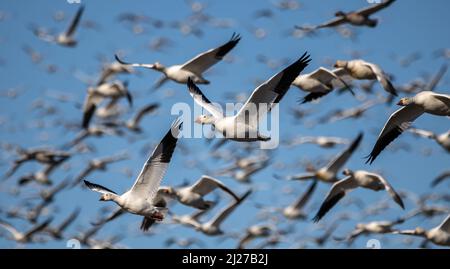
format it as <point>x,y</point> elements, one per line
<point>169,191</point>
<point>204,119</point>
<point>340,64</point>
<point>107,197</point>
<point>404,101</point>
<point>340,14</point>
<point>158,66</point>
<point>347,172</point>
<point>420,231</point>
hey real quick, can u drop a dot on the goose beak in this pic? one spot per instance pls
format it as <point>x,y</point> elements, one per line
<point>400,103</point>
<point>102,198</point>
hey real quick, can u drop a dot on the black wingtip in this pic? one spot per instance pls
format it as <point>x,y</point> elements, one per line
<point>119,60</point>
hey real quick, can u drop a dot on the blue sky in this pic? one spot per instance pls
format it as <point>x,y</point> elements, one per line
<point>404,28</point>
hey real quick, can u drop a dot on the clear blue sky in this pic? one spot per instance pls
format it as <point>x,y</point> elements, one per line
<point>404,28</point>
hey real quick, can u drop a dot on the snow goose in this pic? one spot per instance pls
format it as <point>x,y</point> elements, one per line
<point>442,139</point>
<point>352,181</point>
<point>423,102</point>
<point>318,83</point>
<point>244,125</point>
<point>357,18</point>
<point>350,113</point>
<point>193,68</point>
<point>295,210</point>
<point>329,173</point>
<point>112,69</point>
<point>57,232</point>
<point>139,199</point>
<point>444,175</point>
<point>183,242</point>
<point>96,95</point>
<point>321,141</point>
<point>253,232</point>
<point>98,164</point>
<point>360,69</point>
<point>28,236</point>
<point>133,123</point>
<point>439,235</point>
<point>194,195</point>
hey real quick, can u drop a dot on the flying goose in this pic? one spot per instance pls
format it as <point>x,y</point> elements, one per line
<point>295,210</point>
<point>423,102</point>
<point>98,164</point>
<point>111,69</point>
<point>96,130</point>
<point>183,242</point>
<point>321,141</point>
<point>357,18</point>
<point>360,69</point>
<point>212,227</point>
<point>442,139</point>
<point>352,181</point>
<point>244,125</point>
<point>439,235</point>
<point>96,95</point>
<point>193,68</point>
<point>444,175</point>
<point>318,83</point>
<point>353,112</point>
<point>139,199</point>
<point>28,236</point>
<point>253,232</point>
<point>57,232</point>
<point>194,195</point>
<point>133,124</point>
<point>329,173</point>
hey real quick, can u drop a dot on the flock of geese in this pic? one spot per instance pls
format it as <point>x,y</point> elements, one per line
<point>149,198</point>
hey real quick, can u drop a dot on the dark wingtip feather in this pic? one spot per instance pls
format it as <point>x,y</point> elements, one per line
<point>119,60</point>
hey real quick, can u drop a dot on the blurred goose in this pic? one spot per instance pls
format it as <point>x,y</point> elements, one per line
<point>57,232</point>
<point>357,18</point>
<point>96,130</point>
<point>295,210</point>
<point>353,112</point>
<point>442,139</point>
<point>96,95</point>
<point>253,232</point>
<point>444,175</point>
<point>439,235</point>
<point>184,242</point>
<point>111,69</point>
<point>373,227</point>
<point>244,125</point>
<point>352,181</point>
<point>194,195</point>
<point>66,38</point>
<point>133,124</point>
<point>139,199</point>
<point>321,141</point>
<point>318,83</point>
<point>360,69</point>
<point>329,173</point>
<point>212,227</point>
<point>413,107</point>
<point>28,236</point>
<point>193,68</point>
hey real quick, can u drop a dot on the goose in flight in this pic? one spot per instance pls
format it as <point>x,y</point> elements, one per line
<point>65,38</point>
<point>318,83</point>
<point>253,232</point>
<point>212,227</point>
<point>194,195</point>
<point>357,18</point>
<point>321,141</point>
<point>57,232</point>
<point>193,68</point>
<point>360,69</point>
<point>96,95</point>
<point>442,139</point>
<point>352,181</point>
<point>28,236</point>
<point>133,124</point>
<point>244,125</point>
<point>439,235</point>
<point>329,172</point>
<point>140,199</point>
<point>295,210</point>
<point>413,107</point>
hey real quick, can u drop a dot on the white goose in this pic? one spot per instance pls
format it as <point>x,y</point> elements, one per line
<point>96,95</point>
<point>439,235</point>
<point>442,139</point>
<point>193,195</point>
<point>352,181</point>
<point>360,69</point>
<point>140,199</point>
<point>244,125</point>
<point>26,237</point>
<point>318,83</point>
<point>193,68</point>
<point>413,107</point>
